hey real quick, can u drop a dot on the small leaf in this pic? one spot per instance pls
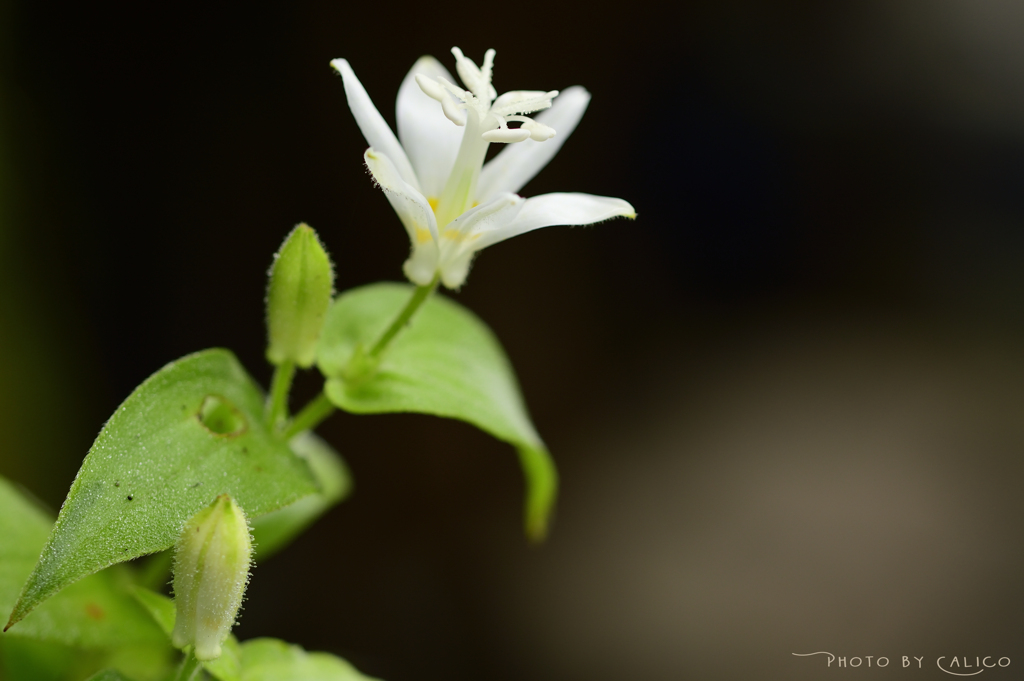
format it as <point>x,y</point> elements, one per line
<point>300,289</point>
<point>159,607</point>
<point>447,363</point>
<point>227,667</point>
<point>165,454</point>
<point>273,531</point>
<point>269,659</point>
<point>97,612</point>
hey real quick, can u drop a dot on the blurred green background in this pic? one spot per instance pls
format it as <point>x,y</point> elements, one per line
<point>786,401</point>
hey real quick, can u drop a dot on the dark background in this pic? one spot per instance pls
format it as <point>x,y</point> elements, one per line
<point>785,401</point>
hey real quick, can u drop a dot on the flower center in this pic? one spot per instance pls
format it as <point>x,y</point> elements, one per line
<point>485,117</point>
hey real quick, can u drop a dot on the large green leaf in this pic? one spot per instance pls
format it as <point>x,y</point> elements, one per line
<point>447,363</point>
<point>96,612</point>
<point>191,431</point>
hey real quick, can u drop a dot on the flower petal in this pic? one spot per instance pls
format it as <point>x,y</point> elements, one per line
<point>516,165</point>
<point>373,126</point>
<point>431,140</point>
<point>415,213</point>
<point>558,209</point>
<point>467,234</point>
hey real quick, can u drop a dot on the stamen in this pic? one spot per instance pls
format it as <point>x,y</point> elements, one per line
<point>478,82</point>
<point>453,111</point>
<point>488,71</point>
<point>430,87</point>
<point>538,131</point>
<point>455,89</point>
<point>440,91</point>
<point>523,102</point>
<point>506,135</point>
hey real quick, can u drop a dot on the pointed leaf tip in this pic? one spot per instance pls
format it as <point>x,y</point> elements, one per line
<point>157,462</point>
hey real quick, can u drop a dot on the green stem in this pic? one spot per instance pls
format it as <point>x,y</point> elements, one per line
<point>419,296</point>
<point>190,667</point>
<point>310,416</point>
<point>277,407</point>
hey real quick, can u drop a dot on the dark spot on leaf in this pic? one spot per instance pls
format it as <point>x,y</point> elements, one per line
<point>194,485</point>
<point>130,497</point>
<point>94,611</point>
<point>220,417</point>
<point>117,483</point>
<point>245,450</point>
<point>259,469</point>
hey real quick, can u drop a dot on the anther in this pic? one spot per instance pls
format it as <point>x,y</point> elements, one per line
<point>538,131</point>
<point>506,135</point>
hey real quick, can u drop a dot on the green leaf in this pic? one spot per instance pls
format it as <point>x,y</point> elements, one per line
<point>96,612</point>
<point>25,659</point>
<point>273,531</point>
<point>227,667</point>
<point>160,607</point>
<point>447,363</point>
<point>190,432</point>
<point>269,659</point>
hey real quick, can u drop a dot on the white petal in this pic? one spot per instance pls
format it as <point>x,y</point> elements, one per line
<point>373,126</point>
<point>422,264</point>
<point>468,233</point>
<point>516,165</point>
<point>454,273</point>
<point>558,209</point>
<point>495,214</point>
<point>430,139</point>
<point>413,210</point>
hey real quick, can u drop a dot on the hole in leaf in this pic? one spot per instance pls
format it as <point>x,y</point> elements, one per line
<point>220,416</point>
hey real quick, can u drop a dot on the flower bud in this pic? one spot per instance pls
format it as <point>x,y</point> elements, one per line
<point>211,569</point>
<point>300,289</point>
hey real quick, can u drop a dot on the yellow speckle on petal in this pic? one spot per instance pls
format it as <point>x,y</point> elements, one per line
<point>423,235</point>
<point>458,237</point>
<point>433,204</point>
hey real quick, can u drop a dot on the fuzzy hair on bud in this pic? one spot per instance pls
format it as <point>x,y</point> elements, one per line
<point>298,295</point>
<point>211,570</point>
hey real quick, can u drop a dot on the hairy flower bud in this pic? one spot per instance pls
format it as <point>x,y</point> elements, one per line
<point>299,293</point>
<point>211,569</point>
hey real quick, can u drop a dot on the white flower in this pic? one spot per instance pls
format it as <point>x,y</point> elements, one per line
<point>452,205</point>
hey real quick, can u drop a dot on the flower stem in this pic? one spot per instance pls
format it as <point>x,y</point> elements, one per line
<point>190,668</point>
<point>419,296</point>
<point>277,406</point>
<point>310,416</point>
